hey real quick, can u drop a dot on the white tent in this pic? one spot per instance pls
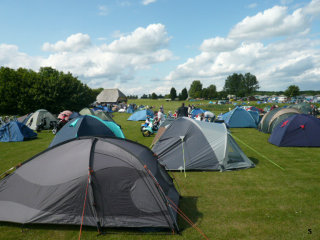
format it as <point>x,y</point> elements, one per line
<point>41,116</point>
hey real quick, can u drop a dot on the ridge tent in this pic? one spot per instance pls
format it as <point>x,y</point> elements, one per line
<point>299,130</point>
<point>87,126</point>
<point>238,118</point>
<point>116,182</point>
<point>16,132</point>
<point>188,144</point>
<point>41,116</point>
<point>274,117</point>
<point>140,115</point>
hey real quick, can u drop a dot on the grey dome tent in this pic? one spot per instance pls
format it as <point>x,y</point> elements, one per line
<point>118,183</point>
<point>188,144</point>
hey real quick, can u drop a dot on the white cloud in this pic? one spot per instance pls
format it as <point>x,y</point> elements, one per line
<point>141,40</point>
<point>147,2</point>
<point>103,10</point>
<point>252,5</point>
<point>294,58</point>
<point>74,43</point>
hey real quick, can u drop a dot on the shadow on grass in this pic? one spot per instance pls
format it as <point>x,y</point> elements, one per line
<point>188,205</point>
<point>254,160</point>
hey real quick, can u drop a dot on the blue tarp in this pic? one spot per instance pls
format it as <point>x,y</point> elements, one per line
<point>299,130</point>
<point>16,132</point>
<point>238,118</point>
<point>141,115</point>
<point>87,125</point>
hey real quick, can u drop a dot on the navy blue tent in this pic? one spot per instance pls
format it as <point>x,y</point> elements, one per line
<point>16,132</point>
<point>87,125</point>
<point>74,115</point>
<point>141,115</point>
<point>238,118</point>
<point>300,130</point>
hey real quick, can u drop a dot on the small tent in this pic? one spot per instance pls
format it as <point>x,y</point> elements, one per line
<point>41,116</point>
<point>16,132</point>
<point>102,115</point>
<point>87,125</point>
<point>196,112</point>
<point>188,144</point>
<point>102,182</point>
<point>299,130</point>
<point>238,118</point>
<point>141,115</point>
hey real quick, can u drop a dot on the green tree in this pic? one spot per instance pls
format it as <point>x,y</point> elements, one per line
<point>250,84</point>
<point>195,90</point>
<point>212,92</point>
<point>154,96</point>
<point>173,93</point>
<point>184,94</point>
<point>234,85</point>
<point>292,91</point>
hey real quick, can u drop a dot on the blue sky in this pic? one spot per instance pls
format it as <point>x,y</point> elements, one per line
<point>147,46</point>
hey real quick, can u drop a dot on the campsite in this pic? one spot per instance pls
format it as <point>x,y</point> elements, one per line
<point>277,199</point>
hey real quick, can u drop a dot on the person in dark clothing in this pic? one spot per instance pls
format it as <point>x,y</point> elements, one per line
<point>182,111</point>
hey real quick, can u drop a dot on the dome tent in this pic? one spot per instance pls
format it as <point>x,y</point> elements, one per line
<point>102,115</point>
<point>16,132</point>
<point>87,125</point>
<point>114,183</point>
<point>140,115</point>
<point>299,130</point>
<point>41,116</point>
<point>238,118</point>
<point>188,144</point>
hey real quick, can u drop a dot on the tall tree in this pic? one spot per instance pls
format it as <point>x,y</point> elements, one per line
<point>184,94</point>
<point>195,90</point>
<point>173,93</point>
<point>154,96</point>
<point>292,91</point>
<point>250,84</point>
<point>212,91</point>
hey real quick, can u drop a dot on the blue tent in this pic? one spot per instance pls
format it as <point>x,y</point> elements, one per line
<point>197,111</point>
<point>141,115</point>
<point>238,118</point>
<point>87,125</point>
<point>255,115</point>
<point>299,130</point>
<point>16,132</point>
<point>130,109</point>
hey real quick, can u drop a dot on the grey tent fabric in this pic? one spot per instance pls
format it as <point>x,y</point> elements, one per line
<point>126,187</point>
<point>111,96</point>
<point>188,144</point>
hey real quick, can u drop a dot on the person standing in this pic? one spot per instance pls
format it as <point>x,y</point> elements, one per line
<point>182,111</point>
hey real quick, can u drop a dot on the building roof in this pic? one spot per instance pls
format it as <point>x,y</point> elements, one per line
<point>111,96</point>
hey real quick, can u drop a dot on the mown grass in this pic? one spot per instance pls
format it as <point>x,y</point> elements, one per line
<point>264,202</point>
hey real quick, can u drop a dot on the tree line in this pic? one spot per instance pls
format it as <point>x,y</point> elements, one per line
<point>23,91</point>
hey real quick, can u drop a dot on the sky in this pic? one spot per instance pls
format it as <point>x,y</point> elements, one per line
<point>146,46</point>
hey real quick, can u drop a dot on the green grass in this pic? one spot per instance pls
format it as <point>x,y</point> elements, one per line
<point>264,202</point>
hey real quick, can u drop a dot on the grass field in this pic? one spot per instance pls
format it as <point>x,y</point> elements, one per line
<point>265,202</point>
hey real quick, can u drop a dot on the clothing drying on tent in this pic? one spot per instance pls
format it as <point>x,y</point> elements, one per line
<point>141,115</point>
<point>16,132</point>
<point>87,126</point>
<point>188,144</point>
<point>299,130</point>
<point>238,118</point>
<point>274,117</point>
<point>116,182</point>
<point>43,117</point>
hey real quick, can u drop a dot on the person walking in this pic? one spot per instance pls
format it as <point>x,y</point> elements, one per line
<point>182,111</point>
